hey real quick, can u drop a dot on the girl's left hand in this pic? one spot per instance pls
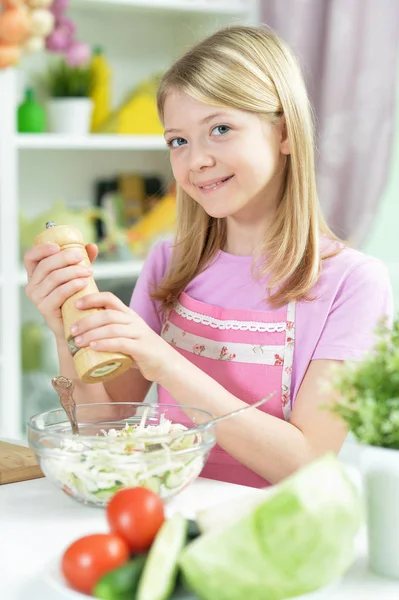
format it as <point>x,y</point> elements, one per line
<point>117,328</point>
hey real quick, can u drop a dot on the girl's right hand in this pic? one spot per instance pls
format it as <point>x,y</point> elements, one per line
<point>53,277</point>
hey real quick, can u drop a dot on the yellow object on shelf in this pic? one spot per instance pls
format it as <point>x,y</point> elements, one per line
<point>137,115</point>
<point>101,92</point>
<point>159,221</point>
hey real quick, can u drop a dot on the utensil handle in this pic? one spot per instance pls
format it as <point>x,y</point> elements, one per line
<point>240,410</point>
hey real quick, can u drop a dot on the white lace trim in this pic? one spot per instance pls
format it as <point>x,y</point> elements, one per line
<point>226,351</point>
<point>226,324</point>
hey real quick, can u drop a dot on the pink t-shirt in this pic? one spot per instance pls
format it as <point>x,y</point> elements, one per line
<point>351,296</point>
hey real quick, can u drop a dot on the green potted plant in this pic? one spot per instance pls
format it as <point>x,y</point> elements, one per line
<point>69,106</point>
<point>368,401</point>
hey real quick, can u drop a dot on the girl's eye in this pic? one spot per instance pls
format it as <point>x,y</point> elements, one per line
<point>177,142</point>
<point>221,129</point>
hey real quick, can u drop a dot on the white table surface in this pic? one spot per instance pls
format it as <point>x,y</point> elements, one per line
<point>37,522</point>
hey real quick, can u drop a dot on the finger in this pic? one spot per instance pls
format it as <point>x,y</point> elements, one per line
<point>112,330</point>
<point>56,299</point>
<point>35,255</point>
<point>114,344</point>
<point>102,300</point>
<point>92,251</point>
<point>99,319</point>
<point>57,278</point>
<point>50,264</point>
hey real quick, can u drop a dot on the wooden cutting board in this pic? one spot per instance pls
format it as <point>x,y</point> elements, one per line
<point>17,463</point>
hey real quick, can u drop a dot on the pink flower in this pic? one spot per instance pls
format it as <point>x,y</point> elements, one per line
<point>198,349</point>
<point>288,370</point>
<point>67,25</point>
<point>165,328</point>
<point>278,360</point>
<point>290,325</point>
<point>58,7</point>
<point>225,355</point>
<point>60,39</point>
<point>78,54</point>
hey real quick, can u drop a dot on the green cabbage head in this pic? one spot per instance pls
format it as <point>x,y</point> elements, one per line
<point>297,540</point>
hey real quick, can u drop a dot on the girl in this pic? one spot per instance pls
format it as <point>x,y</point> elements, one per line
<point>256,294</point>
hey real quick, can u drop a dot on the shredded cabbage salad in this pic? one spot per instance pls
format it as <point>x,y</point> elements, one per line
<point>93,471</point>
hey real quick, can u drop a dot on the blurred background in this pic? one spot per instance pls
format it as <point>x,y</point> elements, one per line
<point>80,141</point>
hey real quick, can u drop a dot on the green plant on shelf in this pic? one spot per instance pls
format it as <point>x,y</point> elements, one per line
<point>369,392</point>
<point>65,81</point>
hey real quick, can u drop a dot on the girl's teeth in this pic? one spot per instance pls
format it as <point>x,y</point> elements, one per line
<point>209,187</point>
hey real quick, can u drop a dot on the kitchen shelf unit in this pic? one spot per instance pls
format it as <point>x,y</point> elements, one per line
<point>89,142</point>
<point>31,165</point>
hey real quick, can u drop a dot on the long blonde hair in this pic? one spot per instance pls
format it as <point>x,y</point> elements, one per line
<point>251,69</point>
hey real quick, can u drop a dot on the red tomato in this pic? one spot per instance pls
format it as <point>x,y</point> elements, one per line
<point>136,515</point>
<point>87,559</point>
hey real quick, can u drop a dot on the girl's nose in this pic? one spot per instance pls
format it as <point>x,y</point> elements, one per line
<point>200,158</point>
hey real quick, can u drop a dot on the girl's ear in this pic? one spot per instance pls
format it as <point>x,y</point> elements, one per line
<point>284,141</point>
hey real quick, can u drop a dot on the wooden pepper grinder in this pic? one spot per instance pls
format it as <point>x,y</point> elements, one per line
<point>91,366</point>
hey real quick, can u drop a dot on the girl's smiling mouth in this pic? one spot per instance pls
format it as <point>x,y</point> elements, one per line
<point>213,185</point>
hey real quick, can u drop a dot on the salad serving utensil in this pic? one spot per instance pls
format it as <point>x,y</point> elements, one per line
<point>64,388</point>
<point>216,420</point>
<point>234,413</point>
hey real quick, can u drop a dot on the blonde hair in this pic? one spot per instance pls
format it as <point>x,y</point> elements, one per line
<point>250,68</point>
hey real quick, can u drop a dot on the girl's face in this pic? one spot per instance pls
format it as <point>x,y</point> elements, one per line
<point>229,161</point>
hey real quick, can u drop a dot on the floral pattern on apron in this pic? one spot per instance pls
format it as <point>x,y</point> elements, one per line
<point>250,353</point>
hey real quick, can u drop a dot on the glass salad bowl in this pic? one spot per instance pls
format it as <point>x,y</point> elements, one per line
<point>122,444</point>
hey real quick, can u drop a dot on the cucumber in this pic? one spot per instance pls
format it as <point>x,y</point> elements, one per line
<point>121,583</point>
<point>106,493</point>
<point>173,479</point>
<point>152,483</point>
<point>160,570</point>
<point>186,441</point>
<point>76,482</point>
<point>193,531</point>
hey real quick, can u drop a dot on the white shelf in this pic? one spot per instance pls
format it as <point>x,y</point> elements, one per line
<point>221,7</point>
<point>129,269</point>
<point>48,141</point>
